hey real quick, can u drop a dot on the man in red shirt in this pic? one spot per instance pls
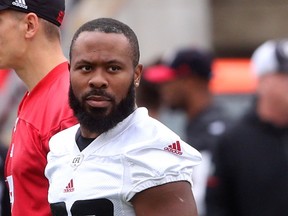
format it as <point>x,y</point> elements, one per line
<point>30,44</point>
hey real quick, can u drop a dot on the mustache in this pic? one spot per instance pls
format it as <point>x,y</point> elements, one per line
<point>99,93</point>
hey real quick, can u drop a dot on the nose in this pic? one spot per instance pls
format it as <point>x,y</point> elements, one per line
<point>98,80</point>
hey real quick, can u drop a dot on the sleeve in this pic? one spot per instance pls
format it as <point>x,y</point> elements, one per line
<point>158,164</point>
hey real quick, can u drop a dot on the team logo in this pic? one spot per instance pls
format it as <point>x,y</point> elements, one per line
<point>20,3</point>
<point>69,187</point>
<point>60,16</point>
<point>76,161</point>
<point>174,148</point>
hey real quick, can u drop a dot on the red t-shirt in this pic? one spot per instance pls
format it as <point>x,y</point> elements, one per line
<point>42,113</point>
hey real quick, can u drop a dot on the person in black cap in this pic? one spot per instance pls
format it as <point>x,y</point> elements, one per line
<point>30,44</point>
<point>251,160</point>
<point>184,82</point>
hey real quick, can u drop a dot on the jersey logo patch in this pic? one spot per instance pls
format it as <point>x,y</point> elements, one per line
<point>69,187</point>
<point>174,148</point>
<point>76,161</point>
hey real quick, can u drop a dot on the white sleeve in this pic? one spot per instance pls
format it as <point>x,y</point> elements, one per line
<point>157,164</point>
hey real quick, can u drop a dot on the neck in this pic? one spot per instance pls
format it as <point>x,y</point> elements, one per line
<point>38,62</point>
<point>87,134</point>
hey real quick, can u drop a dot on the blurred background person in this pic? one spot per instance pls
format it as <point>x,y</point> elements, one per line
<point>183,79</point>
<point>148,93</point>
<point>251,160</point>
<point>148,96</point>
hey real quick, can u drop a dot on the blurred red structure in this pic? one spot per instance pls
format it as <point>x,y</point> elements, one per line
<point>233,76</point>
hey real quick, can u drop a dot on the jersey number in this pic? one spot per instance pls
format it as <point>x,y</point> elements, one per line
<point>94,207</point>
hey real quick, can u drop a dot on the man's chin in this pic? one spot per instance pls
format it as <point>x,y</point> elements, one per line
<point>98,111</point>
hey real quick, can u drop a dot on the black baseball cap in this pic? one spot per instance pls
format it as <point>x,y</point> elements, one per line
<point>50,10</point>
<point>182,63</point>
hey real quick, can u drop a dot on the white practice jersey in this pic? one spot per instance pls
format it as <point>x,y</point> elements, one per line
<point>139,153</point>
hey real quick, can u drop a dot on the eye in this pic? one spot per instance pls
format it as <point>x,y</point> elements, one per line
<point>85,68</point>
<point>114,68</point>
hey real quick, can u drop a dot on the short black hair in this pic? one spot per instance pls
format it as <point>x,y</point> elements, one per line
<point>109,25</point>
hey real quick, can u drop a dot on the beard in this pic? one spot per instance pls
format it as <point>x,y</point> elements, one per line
<point>95,120</point>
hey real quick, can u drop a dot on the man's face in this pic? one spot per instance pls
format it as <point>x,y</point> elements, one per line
<point>272,89</point>
<point>11,36</point>
<point>173,94</point>
<point>102,91</point>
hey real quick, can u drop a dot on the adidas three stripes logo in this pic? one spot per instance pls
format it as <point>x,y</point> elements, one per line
<point>20,3</point>
<point>174,148</point>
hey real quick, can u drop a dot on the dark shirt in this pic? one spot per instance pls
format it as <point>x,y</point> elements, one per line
<point>82,142</point>
<point>251,171</point>
<point>203,131</point>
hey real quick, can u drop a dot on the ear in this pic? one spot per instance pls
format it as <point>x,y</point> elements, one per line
<point>137,75</point>
<point>31,25</point>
